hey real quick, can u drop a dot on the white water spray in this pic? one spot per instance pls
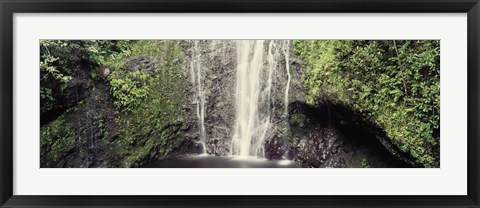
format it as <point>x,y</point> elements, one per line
<point>287,66</point>
<point>254,103</point>
<point>196,79</point>
<point>287,87</point>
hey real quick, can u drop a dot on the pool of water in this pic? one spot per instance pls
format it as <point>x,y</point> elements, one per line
<point>209,161</point>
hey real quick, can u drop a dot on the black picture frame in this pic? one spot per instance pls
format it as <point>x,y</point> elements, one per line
<point>9,7</point>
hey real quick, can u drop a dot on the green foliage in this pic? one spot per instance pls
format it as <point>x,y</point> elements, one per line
<point>46,99</point>
<point>365,163</point>
<point>152,125</point>
<point>148,101</point>
<point>61,60</point>
<point>127,91</point>
<point>49,69</point>
<point>298,119</point>
<point>49,72</point>
<point>396,84</point>
<point>56,140</point>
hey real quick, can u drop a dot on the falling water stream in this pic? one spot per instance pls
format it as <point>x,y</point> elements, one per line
<point>257,65</point>
<point>250,125</point>
<point>196,79</point>
<point>287,87</point>
<point>253,98</point>
<point>287,66</point>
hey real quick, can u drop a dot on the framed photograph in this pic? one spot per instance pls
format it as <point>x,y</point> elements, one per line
<point>269,103</point>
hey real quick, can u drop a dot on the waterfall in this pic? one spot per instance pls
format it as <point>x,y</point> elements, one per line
<point>287,88</point>
<point>196,79</point>
<point>287,66</point>
<point>253,98</point>
<point>272,64</point>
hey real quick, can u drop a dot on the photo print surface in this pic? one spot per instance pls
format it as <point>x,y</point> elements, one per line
<point>240,103</point>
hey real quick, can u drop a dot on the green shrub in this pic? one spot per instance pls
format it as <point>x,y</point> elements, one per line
<point>56,140</point>
<point>365,163</point>
<point>61,60</point>
<point>395,84</point>
<point>127,91</point>
<point>298,119</point>
<point>151,126</point>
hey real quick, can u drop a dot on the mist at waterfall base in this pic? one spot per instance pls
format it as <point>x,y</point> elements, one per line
<point>209,161</point>
<point>253,106</point>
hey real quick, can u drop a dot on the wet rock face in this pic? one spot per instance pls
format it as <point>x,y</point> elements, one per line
<point>220,95</point>
<point>278,143</point>
<point>218,60</point>
<point>77,90</point>
<point>218,72</point>
<point>314,140</point>
<point>142,64</point>
<point>316,147</point>
<point>329,136</point>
